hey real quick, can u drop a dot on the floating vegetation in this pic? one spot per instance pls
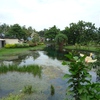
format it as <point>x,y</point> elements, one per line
<point>28,89</point>
<point>13,97</point>
<point>52,90</point>
<point>34,69</point>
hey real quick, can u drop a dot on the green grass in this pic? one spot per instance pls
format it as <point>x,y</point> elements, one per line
<point>38,47</point>
<point>34,69</point>
<point>12,97</point>
<point>86,48</point>
<point>14,51</point>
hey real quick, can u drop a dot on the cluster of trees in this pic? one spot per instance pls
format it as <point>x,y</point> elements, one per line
<point>15,31</point>
<point>80,33</point>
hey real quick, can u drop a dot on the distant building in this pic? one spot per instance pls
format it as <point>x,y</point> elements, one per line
<point>11,41</point>
<point>8,41</point>
<point>2,43</point>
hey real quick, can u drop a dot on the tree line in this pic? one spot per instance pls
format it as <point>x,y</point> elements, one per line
<point>81,32</point>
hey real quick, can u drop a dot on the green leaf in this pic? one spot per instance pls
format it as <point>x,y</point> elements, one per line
<point>80,90</point>
<point>75,58</point>
<point>66,76</point>
<point>70,80</point>
<point>65,63</point>
<point>83,97</point>
<point>70,56</point>
<point>69,92</point>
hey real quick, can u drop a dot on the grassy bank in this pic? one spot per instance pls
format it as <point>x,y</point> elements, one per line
<point>15,51</point>
<point>85,48</point>
<point>34,69</point>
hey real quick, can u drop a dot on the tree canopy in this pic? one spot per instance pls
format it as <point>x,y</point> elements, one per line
<point>60,40</point>
<point>81,32</point>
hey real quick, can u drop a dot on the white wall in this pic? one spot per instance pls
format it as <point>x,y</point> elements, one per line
<point>11,41</point>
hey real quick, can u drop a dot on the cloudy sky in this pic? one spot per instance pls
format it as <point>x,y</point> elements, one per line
<point>42,14</point>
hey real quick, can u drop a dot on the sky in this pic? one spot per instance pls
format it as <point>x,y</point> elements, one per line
<point>43,14</point>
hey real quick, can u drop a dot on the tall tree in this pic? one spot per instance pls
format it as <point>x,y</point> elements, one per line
<point>60,40</point>
<point>4,28</point>
<point>51,33</point>
<point>17,32</point>
<point>81,32</point>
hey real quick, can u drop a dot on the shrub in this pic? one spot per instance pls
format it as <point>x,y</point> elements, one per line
<point>41,43</point>
<point>80,85</point>
<point>22,45</point>
<point>19,45</point>
<point>25,45</point>
<point>10,46</point>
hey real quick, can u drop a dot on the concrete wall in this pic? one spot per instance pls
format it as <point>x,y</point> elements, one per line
<point>11,41</point>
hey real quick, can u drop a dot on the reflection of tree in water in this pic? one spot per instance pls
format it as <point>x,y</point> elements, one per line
<point>35,54</point>
<point>23,57</point>
<point>52,53</point>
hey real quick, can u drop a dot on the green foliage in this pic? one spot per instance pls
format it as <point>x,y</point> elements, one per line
<point>79,80</point>
<point>13,97</point>
<point>10,46</point>
<point>23,45</point>
<point>16,31</point>
<point>52,90</point>
<point>60,40</point>
<point>51,33</point>
<point>81,32</point>
<point>34,69</point>
<point>41,43</point>
<point>28,89</point>
<point>31,44</point>
<point>35,39</point>
<point>17,45</point>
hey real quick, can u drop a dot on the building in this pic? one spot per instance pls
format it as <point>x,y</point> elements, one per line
<point>8,41</point>
<point>2,43</point>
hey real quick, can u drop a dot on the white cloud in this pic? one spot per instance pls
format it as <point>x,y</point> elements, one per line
<point>42,14</point>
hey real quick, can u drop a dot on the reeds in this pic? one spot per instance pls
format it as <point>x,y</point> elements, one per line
<point>28,89</point>
<point>52,90</point>
<point>34,69</point>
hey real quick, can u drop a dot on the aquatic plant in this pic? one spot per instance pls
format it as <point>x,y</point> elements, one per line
<point>12,97</point>
<point>28,89</point>
<point>52,90</point>
<point>79,80</point>
<point>34,69</point>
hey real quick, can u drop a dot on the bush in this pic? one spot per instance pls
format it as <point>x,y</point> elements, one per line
<point>31,44</point>
<point>22,45</point>
<point>17,45</point>
<point>10,46</point>
<point>41,43</point>
<point>25,45</point>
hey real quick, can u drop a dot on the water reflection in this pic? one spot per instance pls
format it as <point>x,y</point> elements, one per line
<point>23,58</point>
<point>53,71</point>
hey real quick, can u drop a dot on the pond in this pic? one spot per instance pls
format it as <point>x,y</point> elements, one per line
<point>52,74</point>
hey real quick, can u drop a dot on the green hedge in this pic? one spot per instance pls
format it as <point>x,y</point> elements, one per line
<point>17,45</point>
